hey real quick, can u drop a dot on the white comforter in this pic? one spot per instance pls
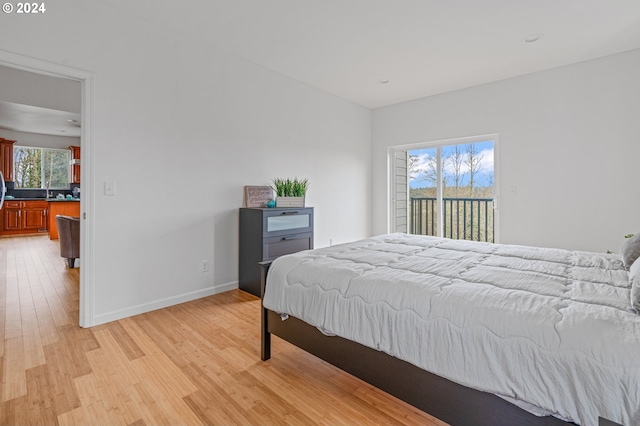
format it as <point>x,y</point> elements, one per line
<point>547,326</point>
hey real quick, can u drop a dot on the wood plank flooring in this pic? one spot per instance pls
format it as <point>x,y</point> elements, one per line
<point>197,363</point>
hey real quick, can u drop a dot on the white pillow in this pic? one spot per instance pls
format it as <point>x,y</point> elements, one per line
<point>635,293</point>
<point>633,271</point>
<point>630,250</point>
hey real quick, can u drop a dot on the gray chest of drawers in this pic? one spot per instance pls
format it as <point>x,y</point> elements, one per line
<point>268,233</point>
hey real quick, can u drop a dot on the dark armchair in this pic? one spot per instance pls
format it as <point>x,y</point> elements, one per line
<point>69,234</point>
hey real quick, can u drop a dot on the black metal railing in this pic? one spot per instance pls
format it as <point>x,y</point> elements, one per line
<point>462,218</point>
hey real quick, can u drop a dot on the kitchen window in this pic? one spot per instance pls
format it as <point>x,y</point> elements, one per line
<point>41,168</point>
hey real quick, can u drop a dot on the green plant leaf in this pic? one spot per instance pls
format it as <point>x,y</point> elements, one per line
<point>290,187</point>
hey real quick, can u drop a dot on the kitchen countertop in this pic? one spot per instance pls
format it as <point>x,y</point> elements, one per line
<point>38,199</point>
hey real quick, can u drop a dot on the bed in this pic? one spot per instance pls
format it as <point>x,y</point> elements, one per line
<point>472,333</point>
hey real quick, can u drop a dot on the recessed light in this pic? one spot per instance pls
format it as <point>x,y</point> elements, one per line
<point>532,38</point>
<point>383,81</point>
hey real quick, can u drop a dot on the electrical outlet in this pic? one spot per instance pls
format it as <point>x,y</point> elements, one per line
<point>204,266</point>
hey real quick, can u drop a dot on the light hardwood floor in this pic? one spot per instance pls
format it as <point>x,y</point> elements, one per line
<point>191,364</point>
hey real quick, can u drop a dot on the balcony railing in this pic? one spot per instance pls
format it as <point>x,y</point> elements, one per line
<point>463,218</point>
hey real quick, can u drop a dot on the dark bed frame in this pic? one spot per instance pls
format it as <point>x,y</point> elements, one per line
<point>442,398</point>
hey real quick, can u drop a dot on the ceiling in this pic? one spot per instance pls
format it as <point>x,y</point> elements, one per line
<point>32,119</point>
<point>351,47</point>
<point>422,47</point>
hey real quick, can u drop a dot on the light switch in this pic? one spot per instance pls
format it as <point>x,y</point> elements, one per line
<point>109,188</point>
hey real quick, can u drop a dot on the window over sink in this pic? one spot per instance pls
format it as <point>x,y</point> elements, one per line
<point>41,168</point>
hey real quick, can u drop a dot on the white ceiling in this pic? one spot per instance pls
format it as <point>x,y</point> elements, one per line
<point>423,47</point>
<point>32,119</point>
<point>346,47</point>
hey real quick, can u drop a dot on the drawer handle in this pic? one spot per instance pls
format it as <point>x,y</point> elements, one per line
<point>290,213</point>
<point>290,237</point>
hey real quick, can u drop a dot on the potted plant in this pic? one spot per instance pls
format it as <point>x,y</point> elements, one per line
<point>290,192</point>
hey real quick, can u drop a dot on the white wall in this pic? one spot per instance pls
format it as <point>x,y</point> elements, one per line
<point>181,127</point>
<point>568,144</point>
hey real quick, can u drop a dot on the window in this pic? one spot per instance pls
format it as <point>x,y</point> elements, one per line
<point>41,167</point>
<point>446,189</point>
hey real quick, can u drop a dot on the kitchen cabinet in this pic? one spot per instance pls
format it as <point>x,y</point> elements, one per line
<point>24,217</point>
<point>6,159</point>
<point>75,168</point>
<point>63,207</point>
<point>34,215</point>
<point>12,213</point>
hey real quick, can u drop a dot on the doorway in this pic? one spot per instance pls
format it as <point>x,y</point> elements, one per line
<point>86,81</point>
<point>446,188</point>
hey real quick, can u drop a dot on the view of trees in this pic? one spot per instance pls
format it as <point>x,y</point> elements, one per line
<point>41,167</point>
<point>28,167</point>
<point>467,187</point>
<point>462,172</point>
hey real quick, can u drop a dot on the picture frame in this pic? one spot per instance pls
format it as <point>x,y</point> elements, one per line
<point>257,196</point>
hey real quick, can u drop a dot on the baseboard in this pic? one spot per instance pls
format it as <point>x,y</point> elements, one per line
<point>162,303</point>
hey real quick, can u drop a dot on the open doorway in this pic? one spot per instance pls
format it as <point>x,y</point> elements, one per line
<point>446,188</point>
<point>84,80</point>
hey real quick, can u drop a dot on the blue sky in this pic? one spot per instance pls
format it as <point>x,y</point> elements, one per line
<point>484,176</point>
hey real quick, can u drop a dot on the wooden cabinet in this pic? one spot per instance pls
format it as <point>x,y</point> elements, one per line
<point>266,234</point>
<point>12,214</point>
<point>75,168</point>
<point>34,215</point>
<point>24,217</point>
<point>66,208</point>
<point>6,159</point>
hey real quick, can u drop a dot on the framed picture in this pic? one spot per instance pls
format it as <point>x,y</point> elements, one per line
<point>256,196</point>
